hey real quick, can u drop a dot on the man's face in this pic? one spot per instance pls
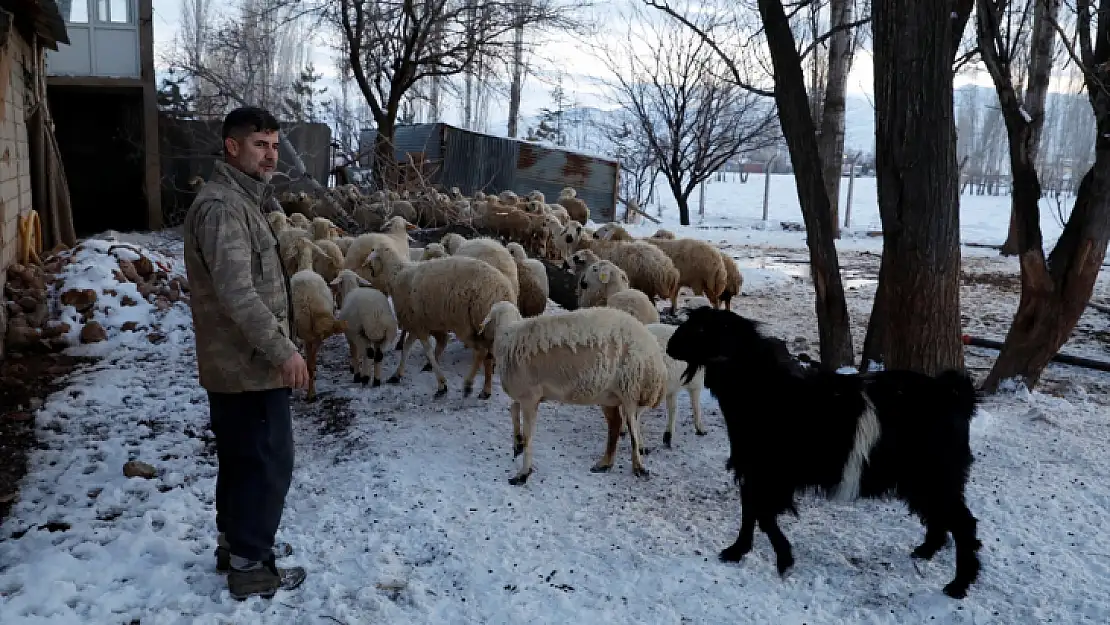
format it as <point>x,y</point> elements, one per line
<point>256,155</point>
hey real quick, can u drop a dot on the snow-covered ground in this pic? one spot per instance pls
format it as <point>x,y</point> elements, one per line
<point>401,510</point>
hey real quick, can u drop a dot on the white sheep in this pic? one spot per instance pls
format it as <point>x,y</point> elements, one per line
<point>434,297</point>
<point>323,229</point>
<point>394,234</point>
<point>576,208</point>
<point>313,307</point>
<point>699,267</point>
<point>278,220</point>
<point>649,269</point>
<point>298,220</point>
<point>433,250</point>
<point>487,250</point>
<point>370,324</point>
<point>605,284</point>
<point>532,297</point>
<point>675,369</point>
<point>587,357</point>
<point>613,231</point>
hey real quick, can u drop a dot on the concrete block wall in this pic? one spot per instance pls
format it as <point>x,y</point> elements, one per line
<point>15,159</point>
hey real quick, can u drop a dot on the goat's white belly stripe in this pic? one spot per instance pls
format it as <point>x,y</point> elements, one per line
<point>867,434</point>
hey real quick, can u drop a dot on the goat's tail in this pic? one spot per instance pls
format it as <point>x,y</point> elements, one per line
<point>964,398</point>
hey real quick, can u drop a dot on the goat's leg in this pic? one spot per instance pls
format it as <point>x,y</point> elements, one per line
<point>614,420</point>
<point>529,409</point>
<point>963,525</point>
<point>311,347</point>
<point>468,381</point>
<point>441,381</point>
<point>695,403</point>
<point>737,550</point>
<point>401,341</point>
<point>783,553</point>
<point>396,377</point>
<point>631,413</point>
<point>518,437</point>
<point>936,535</point>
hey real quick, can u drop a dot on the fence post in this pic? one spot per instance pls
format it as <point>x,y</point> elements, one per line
<point>848,203</point>
<point>767,184</point>
<point>701,200</point>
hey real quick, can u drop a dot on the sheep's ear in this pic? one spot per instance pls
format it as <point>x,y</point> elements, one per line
<point>371,257</point>
<point>362,282</point>
<point>335,282</point>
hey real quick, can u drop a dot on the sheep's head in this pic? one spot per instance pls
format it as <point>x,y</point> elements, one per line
<point>537,196</point>
<point>500,314</point>
<point>610,231</point>
<point>710,335</point>
<point>572,233</point>
<point>508,197</point>
<point>534,207</point>
<point>346,282</point>
<point>579,261</point>
<point>604,277</point>
<point>567,192</point>
<point>397,224</point>
<point>433,250</point>
<point>663,233</point>
<point>451,242</point>
<point>278,220</point>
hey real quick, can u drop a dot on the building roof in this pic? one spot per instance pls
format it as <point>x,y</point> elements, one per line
<point>39,17</point>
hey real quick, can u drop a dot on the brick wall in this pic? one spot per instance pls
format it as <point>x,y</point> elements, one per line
<point>15,160</point>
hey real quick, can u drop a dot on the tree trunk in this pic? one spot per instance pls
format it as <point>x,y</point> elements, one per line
<point>385,160</point>
<point>919,288</point>
<point>830,141</point>
<point>516,86</point>
<point>1040,67</point>
<point>1054,295</point>
<point>833,322</point>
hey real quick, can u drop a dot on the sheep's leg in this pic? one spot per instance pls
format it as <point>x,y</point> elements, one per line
<point>518,438</point>
<point>353,349</point>
<point>396,377</point>
<point>672,412</point>
<point>311,347</point>
<point>487,372</point>
<point>441,344</point>
<point>530,408</point>
<point>361,350</point>
<point>674,300</point>
<point>963,526</point>
<point>783,553</point>
<point>695,402</point>
<point>631,412</point>
<point>468,381</point>
<point>614,420</point>
<point>401,341</point>
<point>743,544</point>
<point>378,356</point>
<point>441,381</point>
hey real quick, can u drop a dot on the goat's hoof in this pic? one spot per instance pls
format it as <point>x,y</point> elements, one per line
<point>785,565</point>
<point>667,439</point>
<point>733,553</point>
<point>518,449</point>
<point>393,379</point>
<point>700,432</point>
<point>426,367</point>
<point>519,480</point>
<point>955,590</point>
<point>641,472</point>
<point>441,392</point>
<point>467,390</point>
<point>645,450</point>
<point>601,468</point>
<point>351,368</point>
<point>357,379</point>
<point>377,383</point>
<point>925,552</point>
<point>485,395</point>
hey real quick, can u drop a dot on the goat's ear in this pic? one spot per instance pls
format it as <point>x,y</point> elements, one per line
<point>362,282</point>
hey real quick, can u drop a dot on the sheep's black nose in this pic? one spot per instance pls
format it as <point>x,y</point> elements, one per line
<point>570,239</point>
<point>583,284</point>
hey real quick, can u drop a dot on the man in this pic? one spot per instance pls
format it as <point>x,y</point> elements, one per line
<point>242,317</point>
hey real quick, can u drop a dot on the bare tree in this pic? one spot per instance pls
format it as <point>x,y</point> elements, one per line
<point>394,44</point>
<point>796,120</point>
<point>518,68</point>
<point>830,137</point>
<point>918,181</point>
<point>628,143</point>
<point>694,120</point>
<point>1055,291</point>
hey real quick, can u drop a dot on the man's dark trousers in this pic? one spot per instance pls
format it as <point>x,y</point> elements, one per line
<point>254,449</point>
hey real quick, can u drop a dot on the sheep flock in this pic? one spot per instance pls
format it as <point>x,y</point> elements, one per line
<point>355,270</point>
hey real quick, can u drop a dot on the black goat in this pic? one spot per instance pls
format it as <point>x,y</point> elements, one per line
<point>846,436</point>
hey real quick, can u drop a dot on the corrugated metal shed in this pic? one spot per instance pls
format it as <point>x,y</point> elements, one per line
<point>475,161</point>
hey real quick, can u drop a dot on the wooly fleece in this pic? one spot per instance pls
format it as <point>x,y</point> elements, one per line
<point>699,266</point>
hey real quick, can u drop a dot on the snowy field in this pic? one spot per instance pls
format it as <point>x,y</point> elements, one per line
<point>402,513</point>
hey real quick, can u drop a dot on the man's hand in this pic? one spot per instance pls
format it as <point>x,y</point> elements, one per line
<point>294,372</point>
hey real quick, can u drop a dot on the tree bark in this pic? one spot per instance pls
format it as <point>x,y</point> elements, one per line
<point>918,295</point>
<point>516,86</point>
<point>385,160</point>
<point>1040,67</point>
<point>797,125</point>
<point>830,140</point>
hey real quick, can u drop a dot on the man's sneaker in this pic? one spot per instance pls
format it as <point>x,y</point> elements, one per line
<point>263,581</point>
<point>223,555</point>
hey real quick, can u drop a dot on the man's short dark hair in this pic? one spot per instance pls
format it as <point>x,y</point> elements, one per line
<point>247,119</point>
